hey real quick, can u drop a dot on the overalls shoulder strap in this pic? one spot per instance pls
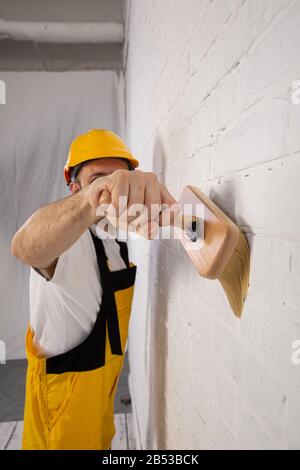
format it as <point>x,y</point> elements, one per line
<point>90,353</point>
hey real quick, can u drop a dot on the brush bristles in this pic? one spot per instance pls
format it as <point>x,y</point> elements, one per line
<point>235,277</point>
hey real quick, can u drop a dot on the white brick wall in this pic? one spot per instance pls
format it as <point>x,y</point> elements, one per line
<point>208,102</point>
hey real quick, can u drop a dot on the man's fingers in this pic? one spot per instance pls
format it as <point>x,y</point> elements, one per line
<point>170,207</point>
<point>166,196</point>
<point>119,197</point>
<point>137,215</point>
<point>153,200</point>
<point>148,230</point>
<point>136,196</point>
<point>95,190</point>
<point>105,197</point>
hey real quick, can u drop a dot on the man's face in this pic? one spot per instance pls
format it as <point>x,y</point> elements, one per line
<point>94,168</point>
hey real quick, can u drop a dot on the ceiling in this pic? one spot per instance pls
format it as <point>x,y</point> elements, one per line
<point>33,54</point>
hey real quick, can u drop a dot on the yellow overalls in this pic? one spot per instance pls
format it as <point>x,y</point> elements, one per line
<point>70,397</point>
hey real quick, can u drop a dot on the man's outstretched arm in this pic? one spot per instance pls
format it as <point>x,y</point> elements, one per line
<point>53,229</point>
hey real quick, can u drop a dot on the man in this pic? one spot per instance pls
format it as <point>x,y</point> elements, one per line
<point>81,290</point>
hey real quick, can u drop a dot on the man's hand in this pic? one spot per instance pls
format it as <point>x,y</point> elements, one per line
<point>136,200</point>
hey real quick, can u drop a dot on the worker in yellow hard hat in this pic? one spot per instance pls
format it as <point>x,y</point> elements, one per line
<point>81,292</point>
<point>95,144</point>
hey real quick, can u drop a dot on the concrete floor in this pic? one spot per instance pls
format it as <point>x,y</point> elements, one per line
<point>12,390</point>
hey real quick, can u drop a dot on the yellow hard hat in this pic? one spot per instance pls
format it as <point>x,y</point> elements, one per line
<point>96,143</point>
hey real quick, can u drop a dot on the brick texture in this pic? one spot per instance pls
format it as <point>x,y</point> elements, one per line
<point>209,102</point>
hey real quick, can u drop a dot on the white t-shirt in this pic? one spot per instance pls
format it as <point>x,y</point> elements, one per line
<point>63,310</point>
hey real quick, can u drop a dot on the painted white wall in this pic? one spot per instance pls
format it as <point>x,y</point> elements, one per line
<point>43,113</point>
<point>209,102</point>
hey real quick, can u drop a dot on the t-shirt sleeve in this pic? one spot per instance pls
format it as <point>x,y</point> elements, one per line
<point>64,263</point>
<point>70,264</point>
<point>42,273</point>
<point>59,268</point>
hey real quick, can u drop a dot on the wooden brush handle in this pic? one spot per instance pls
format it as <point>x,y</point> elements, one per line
<point>221,235</point>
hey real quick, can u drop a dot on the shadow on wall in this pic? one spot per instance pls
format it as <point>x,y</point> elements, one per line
<point>156,334</point>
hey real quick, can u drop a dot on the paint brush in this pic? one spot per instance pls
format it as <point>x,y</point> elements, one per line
<point>224,253</point>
